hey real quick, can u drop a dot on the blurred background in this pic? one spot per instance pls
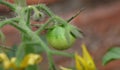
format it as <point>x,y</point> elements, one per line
<point>100,23</point>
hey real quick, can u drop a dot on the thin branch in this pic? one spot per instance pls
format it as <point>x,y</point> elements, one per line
<point>82,9</point>
<point>8,21</point>
<point>46,9</point>
<point>28,17</point>
<point>43,27</point>
<point>18,27</point>
<point>11,6</point>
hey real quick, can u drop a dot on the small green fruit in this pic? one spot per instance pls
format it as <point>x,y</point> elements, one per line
<point>57,38</point>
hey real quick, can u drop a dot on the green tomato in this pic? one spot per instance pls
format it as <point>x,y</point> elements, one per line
<point>57,38</point>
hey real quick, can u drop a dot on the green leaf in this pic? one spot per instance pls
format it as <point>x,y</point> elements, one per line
<point>112,54</point>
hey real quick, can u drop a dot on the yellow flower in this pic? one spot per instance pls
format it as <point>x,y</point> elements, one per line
<point>80,63</point>
<point>29,59</point>
<point>86,62</point>
<point>83,63</point>
<point>5,60</point>
<point>87,57</point>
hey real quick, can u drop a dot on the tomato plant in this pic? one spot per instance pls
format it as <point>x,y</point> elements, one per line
<point>27,55</point>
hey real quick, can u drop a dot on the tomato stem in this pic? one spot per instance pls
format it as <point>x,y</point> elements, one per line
<point>46,9</point>
<point>11,6</point>
<point>60,20</point>
<point>70,55</point>
<point>8,21</point>
<point>51,62</point>
<point>28,16</point>
<point>43,26</point>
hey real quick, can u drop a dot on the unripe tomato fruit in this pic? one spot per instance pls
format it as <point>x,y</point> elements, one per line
<point>57,39</point>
